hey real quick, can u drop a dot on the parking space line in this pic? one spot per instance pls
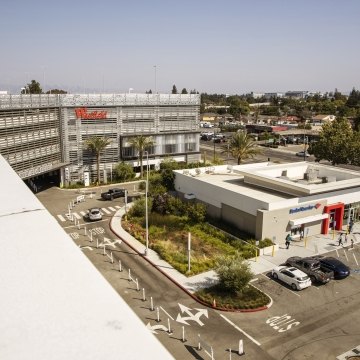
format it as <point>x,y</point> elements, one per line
<point>117,207</point>
<point>111,208</point>
<point>106,211</point>
<point>77,215</point>
<point>280,285</point>
<point>83,213</point>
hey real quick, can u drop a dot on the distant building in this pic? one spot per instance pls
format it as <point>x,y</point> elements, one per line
<point>296,94</point>
<point>271,95</point>
<point>322,119</point>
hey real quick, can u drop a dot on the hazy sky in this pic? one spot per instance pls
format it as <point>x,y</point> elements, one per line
<point>228,46</point>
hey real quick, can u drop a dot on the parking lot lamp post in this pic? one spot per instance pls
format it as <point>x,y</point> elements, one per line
<point>146,204</point>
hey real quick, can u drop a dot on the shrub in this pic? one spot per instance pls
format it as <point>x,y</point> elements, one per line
<point>124,172</point>
<point>234,273</point>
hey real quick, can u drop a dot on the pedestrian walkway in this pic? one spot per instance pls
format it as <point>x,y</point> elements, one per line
<point>79,215</point>
<point>318,244</point>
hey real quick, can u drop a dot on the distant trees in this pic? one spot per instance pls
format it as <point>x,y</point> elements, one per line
<point>32,88</point>
<point>184,91</point>
<point>174,90</point>
<point>56,91</point>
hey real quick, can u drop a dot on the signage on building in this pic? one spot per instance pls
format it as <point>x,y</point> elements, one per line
<point>304,208</point>
<point>83,114</point>
<point>86,178</point>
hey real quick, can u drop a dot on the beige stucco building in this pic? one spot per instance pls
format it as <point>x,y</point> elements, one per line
<point>271,200</point>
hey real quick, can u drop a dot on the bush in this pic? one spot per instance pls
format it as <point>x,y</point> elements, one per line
<point>234,273</point>
<point>124,172</point>
<point>138,209</point>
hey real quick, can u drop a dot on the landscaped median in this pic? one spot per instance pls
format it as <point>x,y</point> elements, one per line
<point>211,248</point>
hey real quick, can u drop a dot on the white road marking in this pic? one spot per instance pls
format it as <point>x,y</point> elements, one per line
<point>117,206</point>
<point>83,213</point>
<point>111,208</point>
<point>106,211</point>
<point>166,313</point>
<point>192,317</point>
<point>77,215</point>
<point>242,331</point>
<point>61,217</point>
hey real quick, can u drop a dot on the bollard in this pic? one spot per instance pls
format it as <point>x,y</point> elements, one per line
<point>129,275</point>
<point>105,250</point>
<point>97,243</point>
<point>241,348</point>
<point>169,328</point>
<point>151,304</point>
<point>157,314</point>
<point>183,334</point>
<point>120,267</point>
<point>199,344</point>
<point>144,297</point>
<point>137,284</point>
<point>230,353</point>
<point>91,236</point>
<point>273,251</point>
<point>111,257</point>
<point>78,224</point>
<point>85,230</point>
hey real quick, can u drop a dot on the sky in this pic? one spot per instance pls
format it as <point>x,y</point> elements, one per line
<point>224,47</point>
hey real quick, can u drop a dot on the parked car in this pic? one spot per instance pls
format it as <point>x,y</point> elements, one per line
<point>340,270</point>
<point>302,154</point>
<point>311,267</point>
<point>113,193</point>
<point>94,214</point>
<point>292,276</point>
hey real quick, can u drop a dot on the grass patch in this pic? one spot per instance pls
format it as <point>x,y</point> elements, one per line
<point>249,298</point>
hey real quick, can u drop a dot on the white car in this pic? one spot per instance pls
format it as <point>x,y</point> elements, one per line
<point>302,154</point>
<point>94,214</point>
<point>297,279</point>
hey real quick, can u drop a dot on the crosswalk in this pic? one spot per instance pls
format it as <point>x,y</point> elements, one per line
<point>79,215</point>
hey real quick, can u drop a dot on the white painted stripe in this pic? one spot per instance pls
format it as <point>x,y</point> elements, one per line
<point>106,211</point>
<point>242,331</point>
<point>166,313</point>
<point>61,217</point>
<point>111,208</point>
<point>117,206</point>
<point>83,213</point>
<point>77,216</point>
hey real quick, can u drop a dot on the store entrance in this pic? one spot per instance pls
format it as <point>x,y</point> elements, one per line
<point>44,181</point>
<point>335,219</point>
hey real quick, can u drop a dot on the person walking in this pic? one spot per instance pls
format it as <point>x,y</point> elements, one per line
<point>301,234</point>
<point>287,241</point>
<point>340,240</point>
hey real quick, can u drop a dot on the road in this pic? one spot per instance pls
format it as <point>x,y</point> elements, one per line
<point>319,322</point>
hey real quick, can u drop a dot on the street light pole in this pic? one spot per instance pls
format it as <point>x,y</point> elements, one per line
<point>155,78</point>
<point>146,205</point>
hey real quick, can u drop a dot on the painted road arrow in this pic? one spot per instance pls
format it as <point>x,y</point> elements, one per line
<point>192,317</point>
<point>86,247</point>
<point>156,327</point>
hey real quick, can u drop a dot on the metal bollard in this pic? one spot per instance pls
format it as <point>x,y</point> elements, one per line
<point>157,314</point>
<point>120,267</point>
<point>143,293</point>
<point>151,304</point>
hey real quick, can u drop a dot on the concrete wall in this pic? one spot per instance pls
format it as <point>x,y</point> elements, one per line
<point>238,218</point>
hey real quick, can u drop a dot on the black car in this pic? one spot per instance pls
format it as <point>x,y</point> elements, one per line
<point>340,270</point>
<point>113,193</point>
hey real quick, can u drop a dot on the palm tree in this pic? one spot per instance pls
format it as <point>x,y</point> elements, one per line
<point>241,146</point>
<point>97,145</point>
<point>141,143</point>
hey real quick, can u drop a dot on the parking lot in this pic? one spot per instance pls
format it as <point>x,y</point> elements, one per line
<point>317,322</point>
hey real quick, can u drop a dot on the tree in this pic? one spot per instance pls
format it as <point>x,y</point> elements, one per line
<point>174,90</point>
<point>234,273</point>
<point>32,88</point>
<point>184,91</point>
<point>241,146</point>
<point>148,92</point>
<point>56,91</point>
<point>124,172</point>
<point>97,145</point>
<point>335,142</point>
<point>141,143</point>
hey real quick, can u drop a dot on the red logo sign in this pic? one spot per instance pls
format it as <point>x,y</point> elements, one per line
<point>81,113</point>
<point>317,205</point>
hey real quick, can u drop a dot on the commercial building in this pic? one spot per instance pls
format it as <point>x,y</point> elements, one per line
<point>270,200</point>
<point>45,134</point>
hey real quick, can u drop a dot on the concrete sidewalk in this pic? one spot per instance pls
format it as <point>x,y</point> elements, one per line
<point>315,245</point>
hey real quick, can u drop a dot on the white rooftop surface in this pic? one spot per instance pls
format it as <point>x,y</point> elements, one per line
<point>54,304</point>
<point>233,180</point>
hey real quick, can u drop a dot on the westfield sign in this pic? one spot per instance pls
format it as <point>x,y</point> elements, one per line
<point>81,113</point>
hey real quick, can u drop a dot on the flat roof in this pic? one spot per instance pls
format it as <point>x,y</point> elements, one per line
<point>54,304</point>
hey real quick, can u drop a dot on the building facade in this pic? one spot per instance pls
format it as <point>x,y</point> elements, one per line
<point>270,200</point>
<point>40,134</point>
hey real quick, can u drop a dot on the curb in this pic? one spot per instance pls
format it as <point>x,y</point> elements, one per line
<point>187,291</point>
